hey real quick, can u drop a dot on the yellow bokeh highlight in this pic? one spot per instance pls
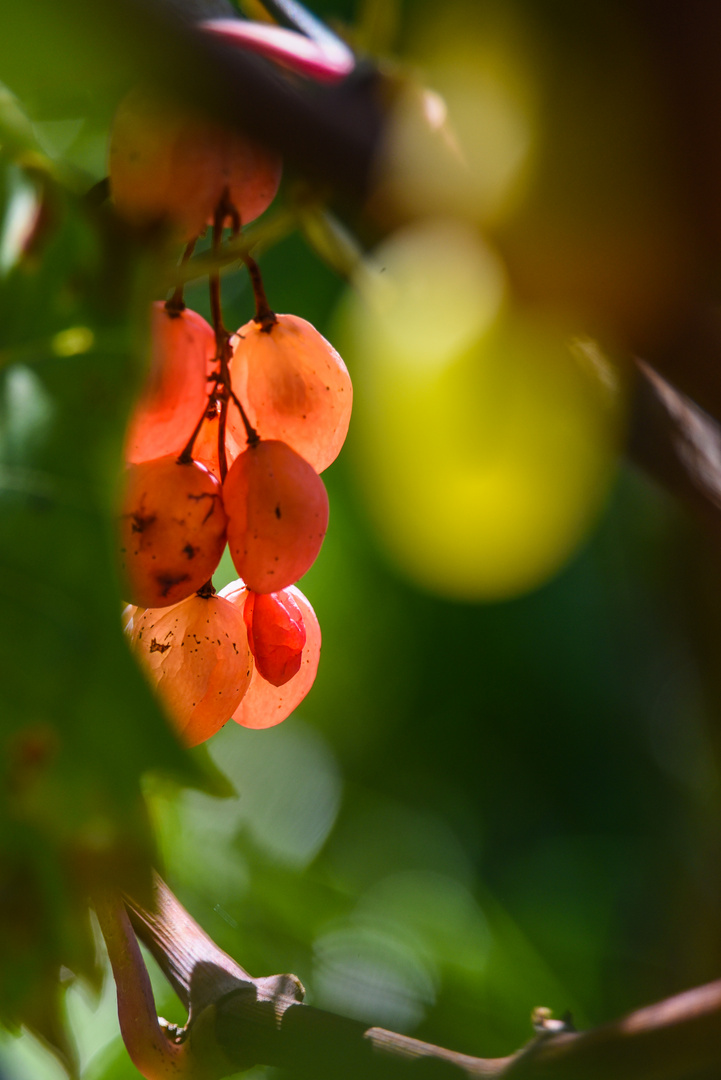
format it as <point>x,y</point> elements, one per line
<point>485,464</point>
<point>464,141</point>
<point>432,292</point>
<point>74,341</point>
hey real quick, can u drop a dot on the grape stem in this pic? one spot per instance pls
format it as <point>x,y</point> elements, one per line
<point>264,315</point>
<point>222,337</point>
<point>186,455</point>
<point>222,391</point>
<point>176,304</point>
<point>251,434</point>
<point>226,209</point>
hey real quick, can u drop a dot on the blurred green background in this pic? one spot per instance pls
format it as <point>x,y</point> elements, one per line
<point>487,802</point>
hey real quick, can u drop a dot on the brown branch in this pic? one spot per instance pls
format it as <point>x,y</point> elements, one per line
<point>245,1021</point>
<point>678,444</point>
<point>150,1049</point>
<point>675,1039</point>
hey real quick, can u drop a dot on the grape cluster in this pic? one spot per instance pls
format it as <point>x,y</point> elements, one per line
<point>225,445</point>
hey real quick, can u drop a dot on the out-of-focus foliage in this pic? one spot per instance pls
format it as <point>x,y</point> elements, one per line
<point>486,437</point>
<point>481,807</point>
<point>78,725</point>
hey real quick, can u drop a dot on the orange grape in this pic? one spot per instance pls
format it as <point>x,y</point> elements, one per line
<point>265,705</point>
<point>183,346</point>
<point>277,509</point>
<point>169,163</point>
<point>205,448</point>
<point>293,386</point>
<point>172,530</point>
<point>196,655</point>
<point>276,634</point>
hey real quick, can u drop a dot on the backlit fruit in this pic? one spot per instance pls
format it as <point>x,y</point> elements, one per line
<point>294,387</point>
<point>183,346</point>
<point>196,655</point>
<point>205,448</point>
<point>276,634</point>
<point>172,530</point>
<point>265,705</point>
<point>169,163</point>
<point>277,509</point>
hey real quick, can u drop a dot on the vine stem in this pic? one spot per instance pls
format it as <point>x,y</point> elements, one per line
<point>224,210</point>
<point>252,1021</point>
<point>176,303</point>
<point>186,455</point>
<point>264,315</point>
<point>149,1045</point>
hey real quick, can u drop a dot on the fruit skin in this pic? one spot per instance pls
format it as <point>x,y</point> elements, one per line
<point>265,705</point>
<point>173,164</point>
<point>171,531</point>
<point>276,634</point>
<point>294,387</point>
<point>205,448</point>
<point>172,400</point>
<point>277,509</point>
<point>196,655</point>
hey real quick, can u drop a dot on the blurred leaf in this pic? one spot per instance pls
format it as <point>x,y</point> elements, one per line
<point>78,724</point>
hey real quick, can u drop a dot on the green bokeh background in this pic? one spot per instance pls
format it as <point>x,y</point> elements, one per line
<point>478,809</point>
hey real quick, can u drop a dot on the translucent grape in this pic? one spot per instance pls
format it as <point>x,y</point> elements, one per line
<point>265,705</point>
<point>170,163</point>
<point>183,345</point>
<point>252,175</point>
<point>205,449</point>
<point>196,655</point>
<point>293,386</point>
<point>172,530</point>
<point>164,164</point>
<point>276,634</point>
<point>277,509</point>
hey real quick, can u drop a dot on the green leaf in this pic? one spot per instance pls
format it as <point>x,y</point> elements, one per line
<point>78,724</point>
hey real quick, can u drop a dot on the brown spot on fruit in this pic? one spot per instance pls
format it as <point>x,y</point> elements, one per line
<point>169,581</point>
<point>172,535</point>
<point>156,646</point>
<point>140,523</point>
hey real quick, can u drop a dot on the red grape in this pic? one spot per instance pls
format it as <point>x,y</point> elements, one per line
<point>172,530</point>
<point>252,175</point>
<point>265,705</point>
<point>183,345</point>
<point>277,509</point>
<point>276,634</point>
<point>196,655</point>
<point>169,163</point>
<point>293,386</point>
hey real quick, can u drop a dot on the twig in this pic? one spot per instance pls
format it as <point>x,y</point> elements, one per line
<point>263,1021</point>
<point>678,444</point>
<point>151,1051</point>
